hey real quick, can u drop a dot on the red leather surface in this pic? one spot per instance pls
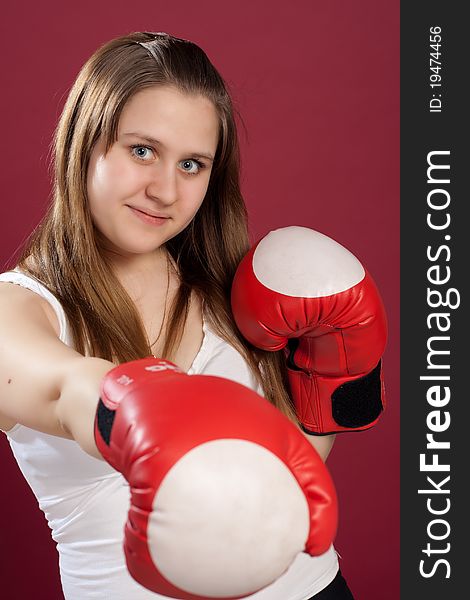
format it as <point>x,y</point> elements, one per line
<point>162,415</point>
<point>341,337</point>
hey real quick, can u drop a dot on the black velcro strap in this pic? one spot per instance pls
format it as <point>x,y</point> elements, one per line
<point>104,421</point>
<point>292,345</point>
<point>359,402</point>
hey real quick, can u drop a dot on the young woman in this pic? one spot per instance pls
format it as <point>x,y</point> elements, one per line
<point>134,258</point>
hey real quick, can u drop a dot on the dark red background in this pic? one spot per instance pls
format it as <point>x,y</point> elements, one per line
<point>317,84</point>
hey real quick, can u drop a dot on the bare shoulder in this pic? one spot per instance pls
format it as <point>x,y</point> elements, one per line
<point>33,360</point>
<point>12,293</point>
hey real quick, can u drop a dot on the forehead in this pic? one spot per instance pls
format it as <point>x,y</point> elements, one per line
<point>171,116</point>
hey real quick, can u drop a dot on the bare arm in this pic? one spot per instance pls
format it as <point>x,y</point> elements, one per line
<point>321,443</point>
<point>44,384</point>
<point>77,403</point>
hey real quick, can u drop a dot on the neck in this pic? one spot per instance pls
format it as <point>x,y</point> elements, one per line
<point>142,273</point>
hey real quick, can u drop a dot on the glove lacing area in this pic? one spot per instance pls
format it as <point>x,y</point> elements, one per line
<point>354,403</point>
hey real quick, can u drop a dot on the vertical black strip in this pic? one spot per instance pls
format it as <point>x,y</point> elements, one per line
<point>434,259</point>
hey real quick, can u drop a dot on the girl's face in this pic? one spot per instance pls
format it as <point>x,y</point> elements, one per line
<point>160,165</point>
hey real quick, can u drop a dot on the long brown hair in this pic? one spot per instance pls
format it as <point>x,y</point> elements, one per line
<point>64,249</point>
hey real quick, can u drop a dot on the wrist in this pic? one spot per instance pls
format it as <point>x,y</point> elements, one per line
<point>80,392</point>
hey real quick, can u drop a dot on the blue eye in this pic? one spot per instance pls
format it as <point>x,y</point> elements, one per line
<point>191,166</point>
<point>141,155</point>
<point>187,163</point>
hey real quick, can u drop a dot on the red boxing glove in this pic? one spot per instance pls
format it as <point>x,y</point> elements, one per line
<point>300,290</point>
<point>225,491</point>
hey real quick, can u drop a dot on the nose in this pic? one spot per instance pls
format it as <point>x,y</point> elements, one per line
<point>162,184</point>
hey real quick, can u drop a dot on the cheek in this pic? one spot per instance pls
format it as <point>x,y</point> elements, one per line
<point>101,181</point>
<point>108,179</point>
<point>194,197</point>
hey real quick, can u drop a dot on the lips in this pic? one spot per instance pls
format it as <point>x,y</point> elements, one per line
<point>149,219</point>
<point>150,213</point>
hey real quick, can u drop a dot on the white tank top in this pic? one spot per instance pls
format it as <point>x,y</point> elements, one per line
<point>85,500</point>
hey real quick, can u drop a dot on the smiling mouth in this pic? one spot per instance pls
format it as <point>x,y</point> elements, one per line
<point>149,219</point>
<point>148,213</point>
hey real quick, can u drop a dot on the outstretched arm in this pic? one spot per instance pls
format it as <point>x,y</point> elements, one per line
<point>44,384</point>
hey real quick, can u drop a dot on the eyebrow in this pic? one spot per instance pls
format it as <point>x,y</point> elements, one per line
<point>152,140</point>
